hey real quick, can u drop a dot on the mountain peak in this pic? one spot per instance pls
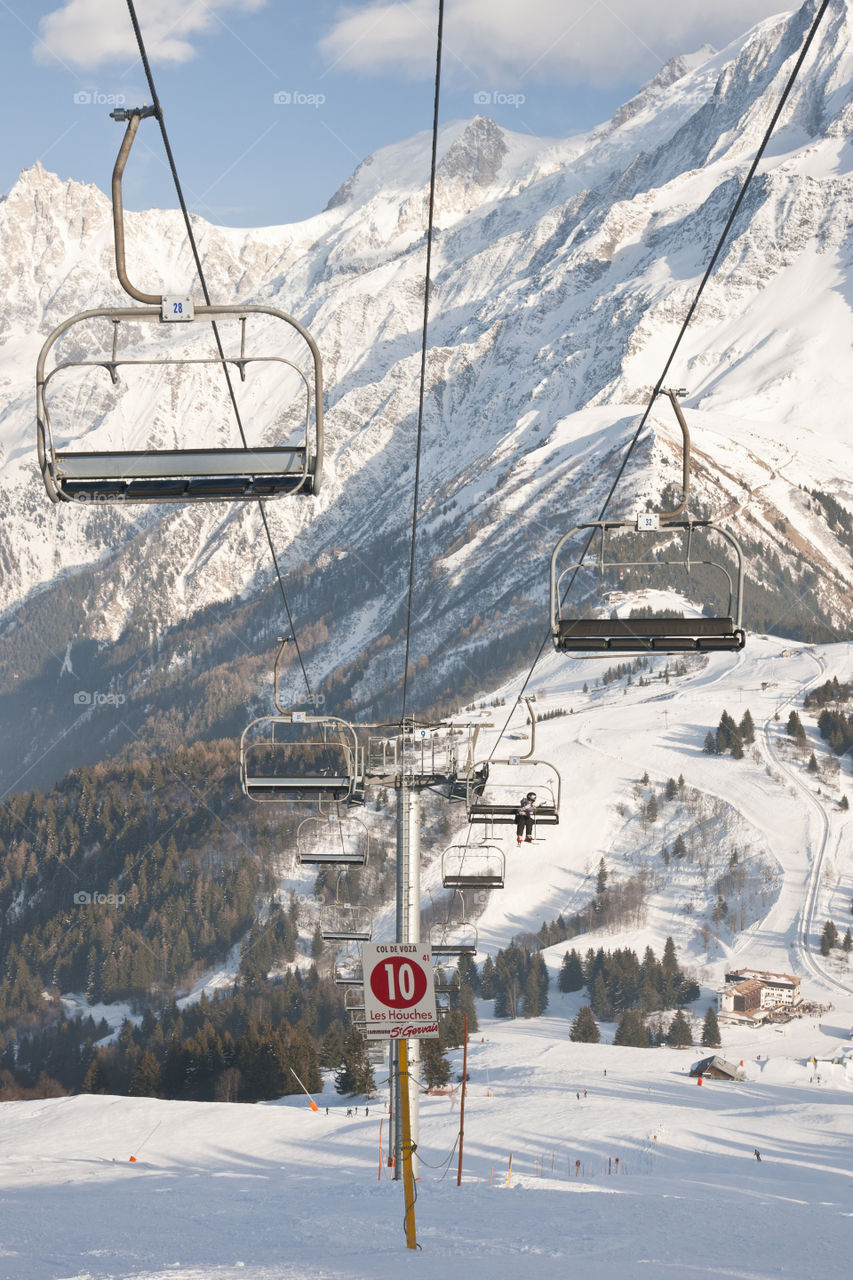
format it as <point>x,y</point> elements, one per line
<point>477,154</point>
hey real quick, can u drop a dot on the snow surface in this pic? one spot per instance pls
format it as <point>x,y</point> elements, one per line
<point>220,1191</point>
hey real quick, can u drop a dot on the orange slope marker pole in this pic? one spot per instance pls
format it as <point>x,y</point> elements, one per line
<point>311,1102</point>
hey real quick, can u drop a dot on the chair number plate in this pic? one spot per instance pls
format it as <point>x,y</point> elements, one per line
<point>175,309</point>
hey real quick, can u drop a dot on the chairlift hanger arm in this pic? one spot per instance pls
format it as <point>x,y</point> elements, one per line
<point>133,116</point>
<point>672,394</point>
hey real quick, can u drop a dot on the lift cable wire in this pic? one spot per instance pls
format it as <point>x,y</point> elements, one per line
<point>691,311</point>
<point>422,386</point>
<point>158,111</point>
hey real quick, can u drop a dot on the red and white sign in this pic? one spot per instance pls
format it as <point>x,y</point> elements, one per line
<point>399,991</point>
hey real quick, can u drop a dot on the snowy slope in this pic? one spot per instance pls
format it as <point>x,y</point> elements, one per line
<point>218,1192</point>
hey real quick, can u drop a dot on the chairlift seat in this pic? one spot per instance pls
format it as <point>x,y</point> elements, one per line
<point>453,949</point>
<point>344,934</point>
<point>473,880</point>
<point>182,475</point>
<point>661,635</point>
<point>323,857</point>
<point>505,814</point>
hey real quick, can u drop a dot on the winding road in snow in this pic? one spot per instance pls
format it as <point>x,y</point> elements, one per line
<point>805,921</point>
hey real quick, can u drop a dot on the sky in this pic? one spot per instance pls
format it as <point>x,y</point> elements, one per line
<point>270,105</point>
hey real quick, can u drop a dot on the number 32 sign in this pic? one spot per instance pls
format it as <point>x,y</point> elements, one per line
<point>399,991</point>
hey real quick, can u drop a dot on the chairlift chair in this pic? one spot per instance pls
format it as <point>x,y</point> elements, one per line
<point>660,634</point>
<point>496,787</point>
<point>481,866</point>
<point>333,841</point>
<point>278,762</point>
<point>452,940</point>
<point>199,474</point>
<point>342,922</point>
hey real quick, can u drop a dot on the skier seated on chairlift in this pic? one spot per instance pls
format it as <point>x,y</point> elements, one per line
<point>524,818</point>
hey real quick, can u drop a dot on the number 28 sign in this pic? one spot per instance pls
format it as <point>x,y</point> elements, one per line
<point>399,991</point>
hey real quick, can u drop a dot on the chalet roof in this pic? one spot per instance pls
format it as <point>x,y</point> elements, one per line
<point>748,985</point>
<point>716,1063</point>
<point>744,975</point>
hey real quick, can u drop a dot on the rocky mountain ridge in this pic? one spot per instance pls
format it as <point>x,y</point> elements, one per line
<point>562,271</point>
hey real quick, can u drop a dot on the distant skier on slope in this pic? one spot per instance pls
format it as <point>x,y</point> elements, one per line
<point>524,818</point>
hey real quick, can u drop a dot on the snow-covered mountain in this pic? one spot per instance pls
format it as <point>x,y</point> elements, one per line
<point>562,272</point>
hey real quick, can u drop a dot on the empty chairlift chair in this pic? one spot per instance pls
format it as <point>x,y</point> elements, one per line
<point>334,841</point>
<point>297,757</point>
<point>476,866</point>
<point>666,545</point>
<point>453,940</point>
<point>116,341</point>
<point>342,922</point>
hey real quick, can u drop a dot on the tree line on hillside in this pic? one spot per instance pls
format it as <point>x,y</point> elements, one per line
<point>619,980</point>
<point>635,1031</point>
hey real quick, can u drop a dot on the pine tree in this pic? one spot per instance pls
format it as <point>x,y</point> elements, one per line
<point>571,973</point>
<point>434,1064</point>
<point>632,1030</point>
<point>600,1001</point>
<point>711,1029</point>
<point>355,1074</point>
<point>828,938</point>
<point>710,745</point>
<point>812,764</point>
<point>601,881</point>
<point>487,979</point>
<point>747,728</point>
<point>680,1034</point>
<point>846,943</point>
<point>146,1077</point>
<point>95,1080</point>
<point>584,1028</point>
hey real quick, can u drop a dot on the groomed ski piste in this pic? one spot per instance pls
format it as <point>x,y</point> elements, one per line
<point>645,1173</point>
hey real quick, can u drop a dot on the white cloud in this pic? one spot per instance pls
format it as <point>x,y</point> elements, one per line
<point>597,42</point>
<point>87,33</point>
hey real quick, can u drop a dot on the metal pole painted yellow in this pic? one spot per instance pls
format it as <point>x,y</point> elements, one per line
<point>408,1174</point>
<point>509,1170</point>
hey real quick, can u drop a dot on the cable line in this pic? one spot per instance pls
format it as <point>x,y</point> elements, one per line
<point>158,111</point>
<point>421,390</point>
<point>690,313</point>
